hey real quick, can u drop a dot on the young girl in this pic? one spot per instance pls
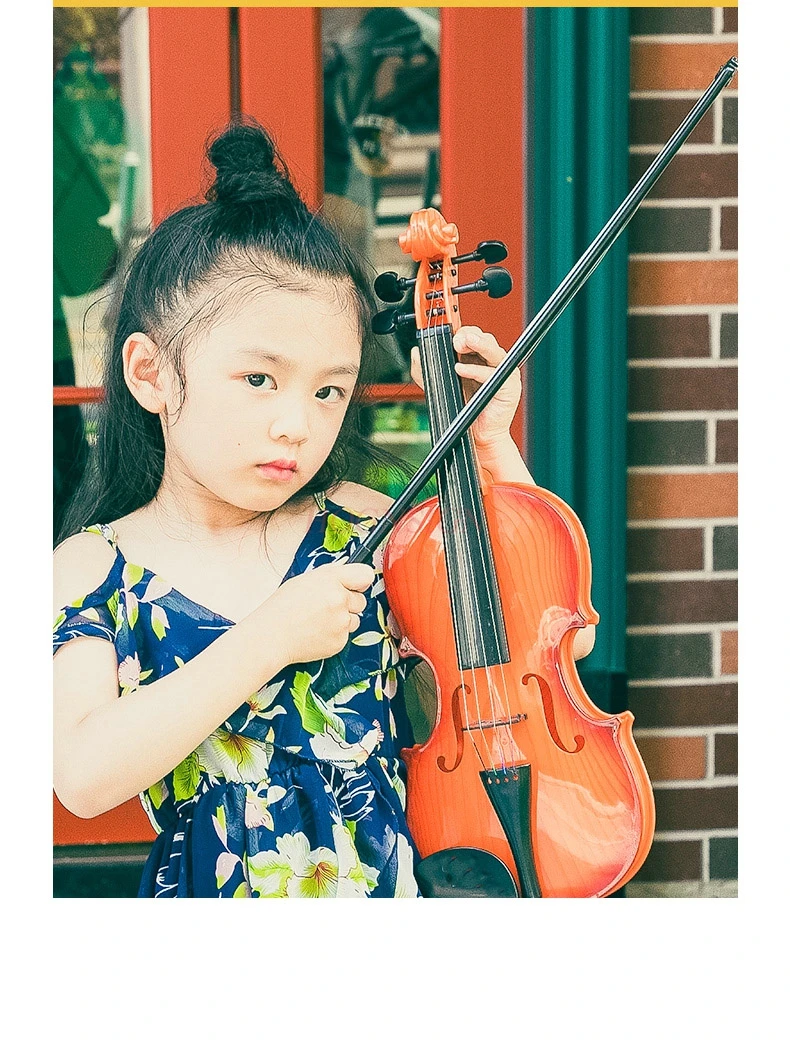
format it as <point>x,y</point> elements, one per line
<point>207,554</point>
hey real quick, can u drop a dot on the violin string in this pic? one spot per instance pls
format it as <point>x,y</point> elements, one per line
<point>508,729</point>
<point>468,602</point>
<point>442,405</point>
<point>490,585</point>
<point>455,498</point>
<point>463,463</point>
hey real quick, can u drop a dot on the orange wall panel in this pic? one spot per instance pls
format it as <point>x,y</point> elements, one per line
<point>190,99</point>
<point>281,85</point>
<point>483,156</point>
<point>125,824</point>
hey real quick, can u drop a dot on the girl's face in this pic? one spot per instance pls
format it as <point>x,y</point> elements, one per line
<point>267,388</point>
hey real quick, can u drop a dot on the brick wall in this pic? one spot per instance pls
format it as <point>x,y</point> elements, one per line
<point>682,449</point>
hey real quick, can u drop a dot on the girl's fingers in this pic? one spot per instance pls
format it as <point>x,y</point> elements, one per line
<point>481,374</point>
<point>474,340</point>
<point>416,367</point>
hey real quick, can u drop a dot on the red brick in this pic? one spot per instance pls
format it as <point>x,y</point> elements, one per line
<point>726,441</point>
<point>682,388</point>
<point>690,809</point>
<point>681,602</point>
<point>691,175</point>
<point>729,229</point>
<point>676,861</point>
<point>668,337</point>
<point>678,66</point>
<point>702,704</point>
<point>729,653</point>
<point>665,549</point>
<point>682,282</point>
<point>674,758</point>
<point>689,495</point>
<point>726,754</point>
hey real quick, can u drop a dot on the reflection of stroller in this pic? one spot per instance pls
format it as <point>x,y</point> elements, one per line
<point>386,81</point>
<point>381,81</point>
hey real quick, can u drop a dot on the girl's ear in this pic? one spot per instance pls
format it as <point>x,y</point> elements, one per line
<point>143,373</point>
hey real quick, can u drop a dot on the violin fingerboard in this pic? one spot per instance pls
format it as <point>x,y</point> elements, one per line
<point>475,600</point>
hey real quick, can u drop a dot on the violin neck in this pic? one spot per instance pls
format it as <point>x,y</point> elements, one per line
<point>475,602</point>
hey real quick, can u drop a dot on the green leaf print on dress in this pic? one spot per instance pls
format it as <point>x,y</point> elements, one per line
<point>235,757</point>
<point>338,533</point>
<point>294,870</point>
<point>315,714</point>
<point>329,740</point>
<point>186,777</point>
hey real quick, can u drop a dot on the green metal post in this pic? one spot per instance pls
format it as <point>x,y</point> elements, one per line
<point>578,377</point>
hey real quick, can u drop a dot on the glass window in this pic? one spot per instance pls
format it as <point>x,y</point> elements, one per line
<point>381,163</point>
<point>101,199</point>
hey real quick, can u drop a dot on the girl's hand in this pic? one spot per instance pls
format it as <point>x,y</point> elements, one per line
<point>482,353</point>
<point>315,612</point>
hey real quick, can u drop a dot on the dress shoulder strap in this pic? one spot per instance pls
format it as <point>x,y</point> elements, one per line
<point>103,530</point>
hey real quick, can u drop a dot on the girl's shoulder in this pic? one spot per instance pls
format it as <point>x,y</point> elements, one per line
<point>81,564</point>
<point>360,500</point>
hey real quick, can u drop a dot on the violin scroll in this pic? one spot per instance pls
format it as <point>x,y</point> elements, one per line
<point>431,241</point>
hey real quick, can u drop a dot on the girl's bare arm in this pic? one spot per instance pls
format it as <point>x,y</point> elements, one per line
<point>107,749</point>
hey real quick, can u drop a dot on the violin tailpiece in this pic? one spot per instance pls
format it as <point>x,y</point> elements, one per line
<point>509,791</point>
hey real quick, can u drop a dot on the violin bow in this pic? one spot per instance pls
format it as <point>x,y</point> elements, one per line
<point>541,323</point>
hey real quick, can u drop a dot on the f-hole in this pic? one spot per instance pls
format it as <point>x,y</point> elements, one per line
<point>548,711</point>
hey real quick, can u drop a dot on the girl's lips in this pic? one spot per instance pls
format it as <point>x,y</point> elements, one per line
<point>281,463</point>
<point>278,469</point>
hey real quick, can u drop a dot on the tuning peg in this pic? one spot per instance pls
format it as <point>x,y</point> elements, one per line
<point>386,321</point>
<point>496,281</point>
<point>489,251</point>
<point>389,286</point>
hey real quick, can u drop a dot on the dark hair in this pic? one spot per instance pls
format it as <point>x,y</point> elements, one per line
<point>254,225</point>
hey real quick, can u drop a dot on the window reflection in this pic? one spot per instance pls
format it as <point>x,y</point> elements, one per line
<point>381,142</point>
<point>98,195</point>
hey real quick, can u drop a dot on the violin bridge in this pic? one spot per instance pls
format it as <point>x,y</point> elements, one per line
<point>488,724</point>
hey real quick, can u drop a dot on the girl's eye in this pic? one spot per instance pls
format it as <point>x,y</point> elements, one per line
<point>257,380</point>
<point>340,394</point>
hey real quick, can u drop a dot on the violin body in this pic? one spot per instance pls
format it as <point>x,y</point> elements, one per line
<point>570,812</point>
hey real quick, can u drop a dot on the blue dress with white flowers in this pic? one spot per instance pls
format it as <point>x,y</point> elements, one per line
<point>300,792</point>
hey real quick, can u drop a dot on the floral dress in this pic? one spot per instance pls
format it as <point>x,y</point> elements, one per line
<point>300,792</point>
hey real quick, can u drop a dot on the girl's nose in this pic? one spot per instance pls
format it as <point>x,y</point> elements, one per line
<point>291,421</point>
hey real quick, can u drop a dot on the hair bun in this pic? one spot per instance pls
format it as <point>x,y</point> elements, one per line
<point>249,168</point>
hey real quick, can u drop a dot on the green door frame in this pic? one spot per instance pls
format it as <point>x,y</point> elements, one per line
<point>579,84</point>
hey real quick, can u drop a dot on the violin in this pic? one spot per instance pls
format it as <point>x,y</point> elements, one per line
<point>524,787</point>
